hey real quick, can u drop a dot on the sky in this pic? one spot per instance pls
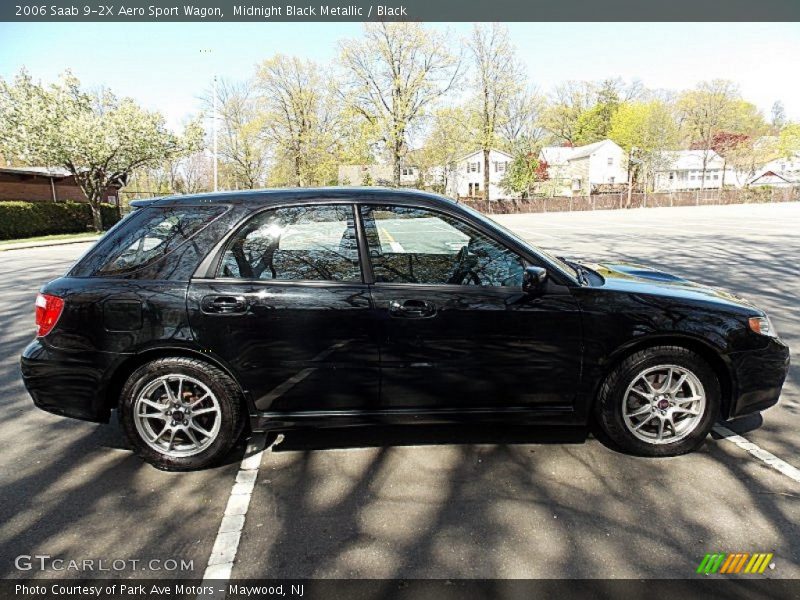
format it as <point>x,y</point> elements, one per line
<point>161,64</point>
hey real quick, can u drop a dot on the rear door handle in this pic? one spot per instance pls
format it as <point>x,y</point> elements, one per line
<point>412,309</point>
<point>223,304</point>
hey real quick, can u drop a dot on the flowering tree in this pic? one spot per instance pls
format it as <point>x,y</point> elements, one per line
<point>99,138</point>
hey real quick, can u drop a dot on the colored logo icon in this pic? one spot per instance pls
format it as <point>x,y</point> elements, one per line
<point>739,562</point>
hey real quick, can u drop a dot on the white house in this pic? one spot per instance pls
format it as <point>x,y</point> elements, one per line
<point>576,170</point>
<point>683,170</point>
<point>378,174</point>
<point>781,172</point>
<point>465,176</point>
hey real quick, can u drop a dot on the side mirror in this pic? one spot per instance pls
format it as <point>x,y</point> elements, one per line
<point>533,280</point>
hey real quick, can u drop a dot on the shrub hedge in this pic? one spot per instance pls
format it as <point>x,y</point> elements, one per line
<point>29,219</point>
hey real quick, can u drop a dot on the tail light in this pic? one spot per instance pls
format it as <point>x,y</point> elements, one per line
<point>48,310</point>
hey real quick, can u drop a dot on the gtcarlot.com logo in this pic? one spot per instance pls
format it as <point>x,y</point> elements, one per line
<point>45,562</point>
<point>736,562</point>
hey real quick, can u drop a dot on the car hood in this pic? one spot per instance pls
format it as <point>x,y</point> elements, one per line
<point>634,278</point>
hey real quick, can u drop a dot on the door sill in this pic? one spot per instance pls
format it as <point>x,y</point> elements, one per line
<point>273,421</point>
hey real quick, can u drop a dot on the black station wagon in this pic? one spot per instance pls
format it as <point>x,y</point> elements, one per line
<point>199,317</point>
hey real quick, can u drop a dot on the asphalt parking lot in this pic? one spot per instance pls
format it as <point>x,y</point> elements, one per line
<point>429,502</point>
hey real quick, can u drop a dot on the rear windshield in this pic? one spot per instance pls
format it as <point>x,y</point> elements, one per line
<point>149,234</point>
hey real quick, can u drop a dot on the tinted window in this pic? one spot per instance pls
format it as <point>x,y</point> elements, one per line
<point>313,243</point>
<point>153,233</point>
<point>410,245</point>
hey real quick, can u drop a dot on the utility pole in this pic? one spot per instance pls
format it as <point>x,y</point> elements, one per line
<point>214,133</point>
<point>207,51</point>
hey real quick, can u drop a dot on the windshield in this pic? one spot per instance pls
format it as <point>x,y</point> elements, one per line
<point>567,268</point>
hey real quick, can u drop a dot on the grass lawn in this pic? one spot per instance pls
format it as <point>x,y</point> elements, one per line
<point>47,238</point>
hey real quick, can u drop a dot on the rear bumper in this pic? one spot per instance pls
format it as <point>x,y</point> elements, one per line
<point>759,376</point>
<point>66,383</point>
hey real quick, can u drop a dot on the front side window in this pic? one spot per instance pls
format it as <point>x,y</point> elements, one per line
<point>157,232</point>
<point>298,243</point>
<point>412,245</point>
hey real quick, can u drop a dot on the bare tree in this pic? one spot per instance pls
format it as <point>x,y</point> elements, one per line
<point>194,174</point>
<point>242,144</point>
<point>778,115</point>
<point>705,112</point>
<point>393,75</point>
<point>498,76</point>
<point>521,122</point>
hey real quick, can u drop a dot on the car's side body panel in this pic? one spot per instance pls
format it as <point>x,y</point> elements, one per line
<point>295,346</point>
<point>484,348</point>
<point>617,323</point>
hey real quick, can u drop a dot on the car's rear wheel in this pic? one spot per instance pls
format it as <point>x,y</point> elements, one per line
<point>661,401</point>
<point>181,413</point>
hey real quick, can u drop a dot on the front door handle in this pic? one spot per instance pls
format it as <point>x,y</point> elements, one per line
<point>223,304</point>
<point>412,309</point>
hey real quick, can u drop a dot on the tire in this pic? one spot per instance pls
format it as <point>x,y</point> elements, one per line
<point>202,418</point>
<point>654,386</point>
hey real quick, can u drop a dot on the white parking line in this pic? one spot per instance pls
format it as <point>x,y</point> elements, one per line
<point>766,457</point>
<point>223,552</point>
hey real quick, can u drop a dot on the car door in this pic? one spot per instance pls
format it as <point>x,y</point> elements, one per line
<point>458,332</point>
<point>288,310</point>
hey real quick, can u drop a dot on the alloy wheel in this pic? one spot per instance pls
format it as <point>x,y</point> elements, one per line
<point>177,415</point>
<point>663,404</point>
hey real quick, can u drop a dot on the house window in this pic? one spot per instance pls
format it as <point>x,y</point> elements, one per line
<point>500,166</point>
<point>474,167</point>
<point>407,172</point>
<point>610,161</point>
<point>671,175</point>
<point>716,176</point>
<point>693,177</point>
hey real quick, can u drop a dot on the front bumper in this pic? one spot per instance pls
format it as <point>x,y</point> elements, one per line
<point>759,377</point>
<point>66,383</point>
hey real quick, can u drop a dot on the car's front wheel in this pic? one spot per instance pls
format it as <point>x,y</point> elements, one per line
<point>180,413</point>
<point>661,401</point>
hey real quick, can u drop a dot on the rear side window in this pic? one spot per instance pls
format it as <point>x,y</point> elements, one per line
<point>299,243</point>
<point>154,233</point>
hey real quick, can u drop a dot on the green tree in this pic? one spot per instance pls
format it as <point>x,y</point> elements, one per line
<point>789,140</point>
<point>568,102</point>
<point>299,118</point>
<point>392,76</point>
<point>523,172</point>
<point>449,138</point>
<point>645,130</point>
<point>594,124</point>
<point>99,138</point>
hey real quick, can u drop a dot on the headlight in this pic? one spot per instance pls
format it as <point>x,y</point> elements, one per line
<point>763,326</point>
